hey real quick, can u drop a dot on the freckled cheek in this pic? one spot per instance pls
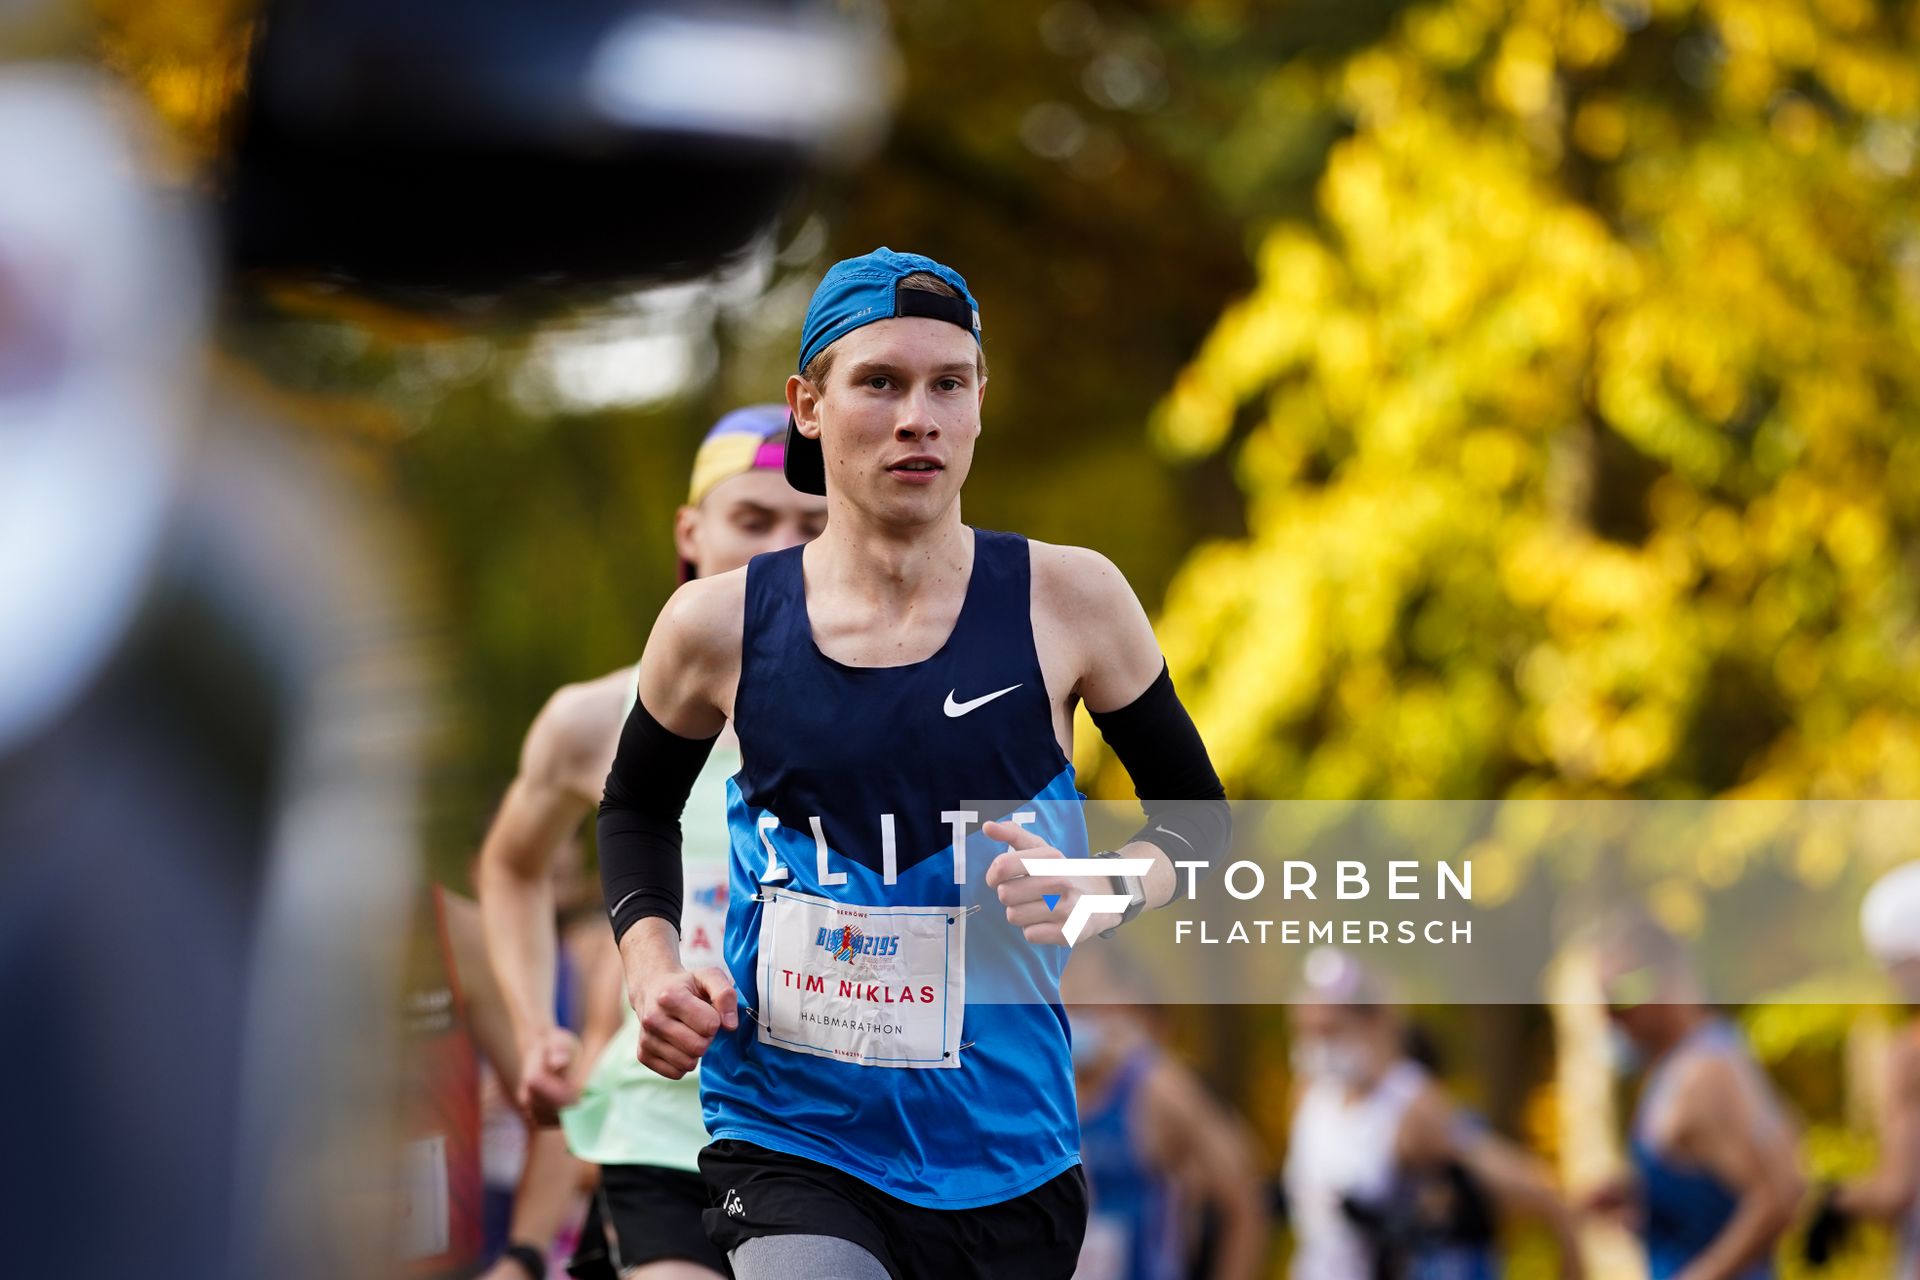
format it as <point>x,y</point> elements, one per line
<point>855,437</point>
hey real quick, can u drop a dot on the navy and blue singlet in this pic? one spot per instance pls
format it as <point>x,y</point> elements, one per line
<point>837,764</point>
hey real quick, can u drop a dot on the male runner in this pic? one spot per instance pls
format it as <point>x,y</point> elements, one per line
<point>1716,1180</point>
<point>1890,923</point>
<point>898,1100</point>
<point>644,1129</point>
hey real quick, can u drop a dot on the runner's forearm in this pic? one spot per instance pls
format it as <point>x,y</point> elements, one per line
<point>639,827</point>
<point>1161,879</point>
<point>516,912</point>
<point>1888,1193</point>
<point>1518,1181</point>
<point>1241,1199</point>
<point>651,947</point>
<point>545,1196</point>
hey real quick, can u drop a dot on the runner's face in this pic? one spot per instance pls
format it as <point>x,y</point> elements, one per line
<point>744,515</point>
<point>1330,1041</point>
<point>899,415</point>
<point>1095,1035</point>
<point>1636,993</point>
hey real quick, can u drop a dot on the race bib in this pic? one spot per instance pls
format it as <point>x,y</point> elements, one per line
<point>879,986</point>
<point>424,1229</point>
<point>703,920</point>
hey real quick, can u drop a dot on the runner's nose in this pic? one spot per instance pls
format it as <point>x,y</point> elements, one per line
<point>916,420</point>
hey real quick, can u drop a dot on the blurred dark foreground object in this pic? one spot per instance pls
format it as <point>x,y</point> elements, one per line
<point>204,863</point>
<point>209,708</point>
<point>461,150</point>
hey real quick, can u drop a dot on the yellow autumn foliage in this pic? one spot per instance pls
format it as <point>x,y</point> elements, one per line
<point>1577,431</point>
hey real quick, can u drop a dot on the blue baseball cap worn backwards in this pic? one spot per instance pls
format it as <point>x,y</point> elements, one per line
<point>856,292</point>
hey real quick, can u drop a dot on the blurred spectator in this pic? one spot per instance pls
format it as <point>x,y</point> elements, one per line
<point>1714,1159</point>
<point>1385,1179</point>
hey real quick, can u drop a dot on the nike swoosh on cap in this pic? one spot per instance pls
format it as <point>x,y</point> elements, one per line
<point>961,708</point>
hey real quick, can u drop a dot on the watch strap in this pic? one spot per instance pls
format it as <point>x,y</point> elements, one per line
<point>1133,886</point>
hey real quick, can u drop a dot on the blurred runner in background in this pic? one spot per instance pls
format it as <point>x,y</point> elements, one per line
<point>1160,1155</point>
<point>1714,1159</point>
<point>457,1030</point>
<point>1890,925</point>
<point>1385,1178</point>
<point>535,1189</point>
<point>642,1128</point>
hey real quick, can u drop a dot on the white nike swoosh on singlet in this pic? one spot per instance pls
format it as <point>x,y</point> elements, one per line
<point>961,708</point>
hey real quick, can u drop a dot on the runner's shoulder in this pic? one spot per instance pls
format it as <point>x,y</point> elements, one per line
<point>575,725</point>
<point>1094,635</point>
<point>1078,582</point>
<point>1170,1089</point>
<point>1713,1083</point>
<point>704,619</point>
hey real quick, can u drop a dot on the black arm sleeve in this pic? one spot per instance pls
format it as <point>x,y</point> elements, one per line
<point>1158,745</point>
<point>639,828</point>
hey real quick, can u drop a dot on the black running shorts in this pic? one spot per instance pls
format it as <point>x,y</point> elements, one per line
<point>757,1192</point>
<point>651,1214</point>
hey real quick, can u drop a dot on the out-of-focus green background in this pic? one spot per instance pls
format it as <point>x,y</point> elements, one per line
<point>1487,398</point>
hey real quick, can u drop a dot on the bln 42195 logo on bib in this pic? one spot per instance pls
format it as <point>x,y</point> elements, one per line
<point>879,986</point>
<point>849,944</point>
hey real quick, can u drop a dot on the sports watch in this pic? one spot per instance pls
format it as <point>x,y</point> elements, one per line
<point>1135,887</point>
